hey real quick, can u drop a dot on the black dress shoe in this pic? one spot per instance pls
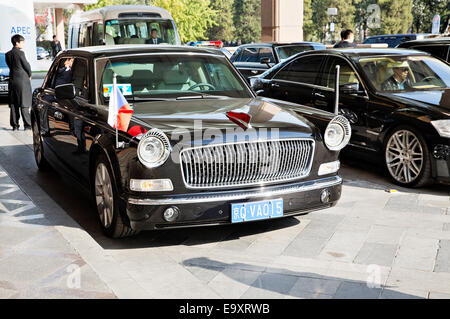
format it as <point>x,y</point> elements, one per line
<point>15,128</point>
<point>27,128</point>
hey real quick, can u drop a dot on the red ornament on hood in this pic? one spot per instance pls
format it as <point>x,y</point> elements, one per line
<point>241,119</point>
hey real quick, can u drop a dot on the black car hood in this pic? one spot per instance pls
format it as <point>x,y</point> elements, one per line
<point>436,100</point>
<point>181,114</point>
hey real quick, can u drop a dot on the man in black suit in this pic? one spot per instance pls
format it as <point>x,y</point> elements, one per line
<point>64,74</point>
<point>347,38</point>
<point>154,38</point>
<point>19,85</point>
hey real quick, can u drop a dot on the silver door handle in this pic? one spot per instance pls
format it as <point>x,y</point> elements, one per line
<point>58,115</point>
<point>254,71</point>
<point>319,95</point>
<point>55,104</point>
<point>274,85</point>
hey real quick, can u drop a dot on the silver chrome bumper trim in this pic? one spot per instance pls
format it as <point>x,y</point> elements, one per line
<point>237,195</point>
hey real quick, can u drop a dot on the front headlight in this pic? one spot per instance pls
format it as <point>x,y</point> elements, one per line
<point>337,133</point>
<point>154,148</point>
<point>443,127</point>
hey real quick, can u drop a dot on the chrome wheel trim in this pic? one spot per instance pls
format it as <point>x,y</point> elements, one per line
<point>37,146</point>
<point>104,195</point>
<point>404,156</point>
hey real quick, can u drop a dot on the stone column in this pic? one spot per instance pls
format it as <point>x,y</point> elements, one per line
<point>59,18</point>
<point>281,20</point>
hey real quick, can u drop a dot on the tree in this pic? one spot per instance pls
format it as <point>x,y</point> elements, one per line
<point>308,24</point>
<point>192,17</point>
<point>396,17</point>
<point>247,20</point>
<point>423,12</point>
<point>224,29</point>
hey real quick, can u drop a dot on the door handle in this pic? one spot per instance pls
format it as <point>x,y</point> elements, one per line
<point>319,95</point>
<point>254,71</point>
<point>58,115</point>
<point>55,104</point>
<point>274,85</point>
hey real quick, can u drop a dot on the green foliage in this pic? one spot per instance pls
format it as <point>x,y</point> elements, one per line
<point>396,17</point>
<point>423,12</point>
<point>247,20</point>
<point>224,29</point>
<point>104,3</point>
<point>192,17</point>
<point>308,24</point>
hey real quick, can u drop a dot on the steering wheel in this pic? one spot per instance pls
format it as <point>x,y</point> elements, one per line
<point>429,78</point>
<point>210,86</point>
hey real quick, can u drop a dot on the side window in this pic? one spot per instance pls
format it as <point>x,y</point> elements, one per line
<point>97,34</point>
<point>83,35</point>
<point>80,77</point>
<point>303,70</point>
<point>266,53</point>
<point>346,73</point>
<point>250,55</point>
<point>236,57</point>
<point>439,51</point>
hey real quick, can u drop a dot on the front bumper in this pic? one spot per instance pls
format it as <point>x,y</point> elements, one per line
<point>214,208</point>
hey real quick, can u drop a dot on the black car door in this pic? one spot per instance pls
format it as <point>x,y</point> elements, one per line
<point>352,105</point>
<point>68,121</point>
<point>295,82</point>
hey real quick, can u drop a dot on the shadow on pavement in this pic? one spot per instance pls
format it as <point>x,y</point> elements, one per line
<point>296,284</point>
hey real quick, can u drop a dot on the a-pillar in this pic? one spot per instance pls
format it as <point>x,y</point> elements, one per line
<point>281,20</point>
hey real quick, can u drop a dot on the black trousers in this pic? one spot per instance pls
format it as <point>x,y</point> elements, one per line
<point>15,116</point>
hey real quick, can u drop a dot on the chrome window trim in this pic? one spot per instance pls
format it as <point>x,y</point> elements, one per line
<point>241,194</point>
<point>308,170</point>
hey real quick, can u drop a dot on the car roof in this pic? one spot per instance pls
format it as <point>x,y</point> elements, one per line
<point>275,44</point>
<point>444,40</point>
<point>123,49</point>
<point>396,35</point>
<point>359,52</point>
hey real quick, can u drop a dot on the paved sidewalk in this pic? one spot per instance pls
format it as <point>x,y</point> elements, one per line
<point>373,244</point>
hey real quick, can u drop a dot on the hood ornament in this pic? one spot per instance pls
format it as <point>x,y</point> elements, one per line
<point>241,119</point>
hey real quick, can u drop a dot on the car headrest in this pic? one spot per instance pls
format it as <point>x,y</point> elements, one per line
<point>176,77</point>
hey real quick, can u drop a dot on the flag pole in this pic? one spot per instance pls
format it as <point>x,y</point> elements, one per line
<point>115,103</point>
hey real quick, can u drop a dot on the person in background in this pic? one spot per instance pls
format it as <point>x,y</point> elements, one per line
<point>347,38</point>
<point>19,84</point>
<point>56,46</point>
<point>154,38</point>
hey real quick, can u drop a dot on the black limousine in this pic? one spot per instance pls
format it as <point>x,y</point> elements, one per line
<point>397,101</point>
<point>201,148</point>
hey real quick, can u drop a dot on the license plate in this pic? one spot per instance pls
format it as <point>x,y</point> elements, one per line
<point>243,212</point>
<point>3,87</point>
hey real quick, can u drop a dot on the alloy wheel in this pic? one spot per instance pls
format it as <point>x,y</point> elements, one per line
<point>404,156</point>
<point>104,195</point>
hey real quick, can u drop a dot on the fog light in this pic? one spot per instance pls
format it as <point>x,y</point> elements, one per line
<point>325,196</point>
<point>171,214</point>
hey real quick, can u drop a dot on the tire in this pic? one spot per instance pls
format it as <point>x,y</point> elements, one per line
<point>407,158</point>
<point>38,150</point>
<point>106,201</point>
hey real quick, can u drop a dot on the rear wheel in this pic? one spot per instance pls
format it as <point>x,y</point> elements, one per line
<point>407,157</point>
<point>106,200</point>
<point>41,162</point>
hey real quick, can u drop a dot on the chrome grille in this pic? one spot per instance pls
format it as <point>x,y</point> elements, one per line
<point>246,163</point>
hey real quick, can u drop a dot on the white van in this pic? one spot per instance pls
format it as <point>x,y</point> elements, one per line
<point>125,24</point>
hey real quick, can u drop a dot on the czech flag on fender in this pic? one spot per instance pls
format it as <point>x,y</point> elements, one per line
<point>120,111</point>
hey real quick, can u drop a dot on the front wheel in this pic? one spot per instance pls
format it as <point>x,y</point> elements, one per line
<point>407,157</point>
<point>41,162</point>
<point>106,200</point>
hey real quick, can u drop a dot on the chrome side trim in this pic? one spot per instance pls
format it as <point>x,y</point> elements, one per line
<point>241,194</point>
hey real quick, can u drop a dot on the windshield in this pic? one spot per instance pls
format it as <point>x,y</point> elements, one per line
<point>172,76</point>
<point>3,61</point>
<point>141,31</point>
<point>285,52</point>
<point>406,73</point>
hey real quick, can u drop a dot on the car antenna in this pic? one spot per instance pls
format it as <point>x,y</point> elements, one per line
<point>336,90</point>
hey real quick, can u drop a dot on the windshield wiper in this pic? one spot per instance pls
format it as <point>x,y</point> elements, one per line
<point>148,99</point>
<point>201,96</point>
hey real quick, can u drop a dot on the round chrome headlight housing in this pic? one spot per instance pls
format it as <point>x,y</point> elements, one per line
<point>337,133</point>
<point>154,148</point>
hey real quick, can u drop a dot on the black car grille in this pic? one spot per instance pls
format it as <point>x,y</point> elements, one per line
<point>246,163</point>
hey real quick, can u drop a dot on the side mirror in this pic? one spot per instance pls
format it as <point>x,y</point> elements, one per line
<point>350,88</point>
<point>265,61</point>
<point>65,91</point>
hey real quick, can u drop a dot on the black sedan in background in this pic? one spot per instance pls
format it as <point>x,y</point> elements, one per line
<point>201,148</point>
<point>437,47</point>
<point>253,59</point>
<point>397,101</point>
